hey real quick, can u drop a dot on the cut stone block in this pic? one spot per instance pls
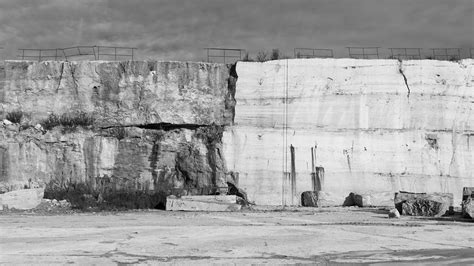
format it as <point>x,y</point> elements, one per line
<point>423,204</point>
<point>23,199</point>
<point>320,199</point>
<point>194,204</point>
<point>213,198</point>
<point>468,208</point>
<point>374,199</point>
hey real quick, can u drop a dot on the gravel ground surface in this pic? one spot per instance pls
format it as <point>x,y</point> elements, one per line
<point>269,235</point>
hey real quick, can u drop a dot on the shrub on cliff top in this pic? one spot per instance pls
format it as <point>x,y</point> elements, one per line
<point>15,116</point>
<point>68,120</point>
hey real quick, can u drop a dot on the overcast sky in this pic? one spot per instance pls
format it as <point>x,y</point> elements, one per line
<point>178,29</point>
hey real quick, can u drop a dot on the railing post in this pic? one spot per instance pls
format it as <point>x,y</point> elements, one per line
<point>39,58</point>
<point>98,52</point>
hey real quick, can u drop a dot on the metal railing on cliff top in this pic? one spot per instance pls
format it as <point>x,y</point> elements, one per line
<point>95,52</point>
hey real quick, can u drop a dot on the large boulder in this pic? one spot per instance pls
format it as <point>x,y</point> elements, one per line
<point>423,204</point>
<point>373,199</point>
<point>23,199</point>
<point>320,199</point>
<point>468,208</point>
<point>468,202</point>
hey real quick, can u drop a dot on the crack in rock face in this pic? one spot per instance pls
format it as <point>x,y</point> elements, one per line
<point>400,69</point>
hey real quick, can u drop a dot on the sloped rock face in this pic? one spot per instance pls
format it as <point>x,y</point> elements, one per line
<point>120,93</point>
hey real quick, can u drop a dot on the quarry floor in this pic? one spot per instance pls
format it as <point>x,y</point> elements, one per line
<point>298,235</point>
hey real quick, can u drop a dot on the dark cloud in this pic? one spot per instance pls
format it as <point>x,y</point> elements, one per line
<point>178,29</point>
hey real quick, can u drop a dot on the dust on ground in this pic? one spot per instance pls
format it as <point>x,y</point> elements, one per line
<point>272,235</point>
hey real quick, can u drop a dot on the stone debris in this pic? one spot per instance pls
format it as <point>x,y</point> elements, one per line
<point>23,199</point>
<point>39,128</point>
<point>320,199</point>
<point>393,213</point>
<point>217,203</point>
<point>423,204</point>
<point>7,122</point>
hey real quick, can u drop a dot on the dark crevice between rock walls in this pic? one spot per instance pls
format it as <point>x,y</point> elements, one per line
<point>151,161</point>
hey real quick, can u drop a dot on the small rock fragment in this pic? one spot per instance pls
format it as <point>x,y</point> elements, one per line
<point>393,213</point>
<point>7,122</point>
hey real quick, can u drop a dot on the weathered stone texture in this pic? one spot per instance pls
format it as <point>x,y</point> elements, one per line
<point>120,93</point>
<point>468,208</point>
<point>423,204</point>
<point>179,161</point>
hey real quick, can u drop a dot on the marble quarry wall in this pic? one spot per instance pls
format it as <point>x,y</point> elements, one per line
<point>188,128</point>
<point>373,125</point>
<point>157,126</point>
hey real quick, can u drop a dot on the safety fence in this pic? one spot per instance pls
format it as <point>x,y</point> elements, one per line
<point>226,55</point>
<point>223,55</point>
<point>95,52</point>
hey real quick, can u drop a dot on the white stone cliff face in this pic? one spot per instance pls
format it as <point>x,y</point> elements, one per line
<point>379,125</point>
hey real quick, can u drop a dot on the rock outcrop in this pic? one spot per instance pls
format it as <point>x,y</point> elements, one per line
<point>119,93</point>
<point>155,129</point>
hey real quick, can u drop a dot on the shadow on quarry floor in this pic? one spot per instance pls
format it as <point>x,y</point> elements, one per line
<point>457,217</point>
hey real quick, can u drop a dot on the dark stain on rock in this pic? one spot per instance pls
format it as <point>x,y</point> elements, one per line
<point>4,164</point>
<point>432,140</point>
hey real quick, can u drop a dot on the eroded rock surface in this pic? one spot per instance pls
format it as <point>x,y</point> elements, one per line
<point>423,204</point>
<point>120,93</point>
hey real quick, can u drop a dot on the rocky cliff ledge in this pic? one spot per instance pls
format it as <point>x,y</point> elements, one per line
<point>154,128</point>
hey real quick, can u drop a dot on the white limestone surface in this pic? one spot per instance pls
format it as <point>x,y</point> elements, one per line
<point>373,130</point>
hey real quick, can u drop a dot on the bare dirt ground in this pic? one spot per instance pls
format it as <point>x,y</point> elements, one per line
<point>298,235</point>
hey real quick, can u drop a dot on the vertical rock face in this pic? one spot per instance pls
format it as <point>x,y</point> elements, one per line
<point>179,161</point>
<point>119,93</point>
<point>374,125</point>
<point>157,127</point>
